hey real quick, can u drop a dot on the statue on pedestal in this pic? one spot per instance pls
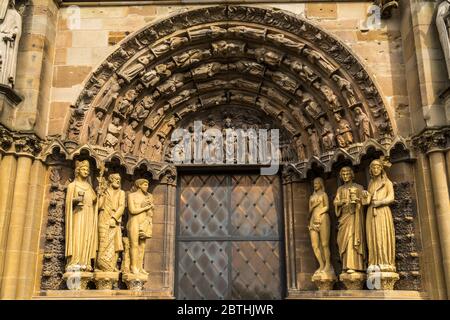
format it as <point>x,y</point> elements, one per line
<point>10,32</point>
<point>81,225</point>
<point>351,237</point>
<point>319,230</point>
<point>380,225</point>
<point>442,24</point>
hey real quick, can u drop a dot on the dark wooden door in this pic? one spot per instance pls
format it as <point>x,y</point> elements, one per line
<point>229,237</point>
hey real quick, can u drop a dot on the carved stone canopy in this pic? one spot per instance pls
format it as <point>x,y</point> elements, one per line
<point>230,58</point>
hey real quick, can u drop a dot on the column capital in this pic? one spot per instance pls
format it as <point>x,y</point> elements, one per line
<point>432,139</point>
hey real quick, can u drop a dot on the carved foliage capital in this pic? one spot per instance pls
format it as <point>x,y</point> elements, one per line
<point>432,139</point>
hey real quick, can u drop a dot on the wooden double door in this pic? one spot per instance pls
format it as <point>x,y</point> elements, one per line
<point>229,237</point>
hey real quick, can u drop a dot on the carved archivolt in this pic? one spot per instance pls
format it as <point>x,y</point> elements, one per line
<point>282,67</point>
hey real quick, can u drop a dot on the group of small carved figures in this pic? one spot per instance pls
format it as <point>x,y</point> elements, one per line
<point>93,231</point>
<point>363,238</point>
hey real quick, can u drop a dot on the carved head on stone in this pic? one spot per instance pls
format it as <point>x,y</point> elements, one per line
<point>141,184</point>
<point>114,180</point>
<point>347,174</point>
<point>82,169</point>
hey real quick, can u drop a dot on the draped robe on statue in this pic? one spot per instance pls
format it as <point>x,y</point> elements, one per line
<point>110,237</point>
<point>81,225</point>
<point>350,238</point>
<point>380,226</point>
<point>10,31</point>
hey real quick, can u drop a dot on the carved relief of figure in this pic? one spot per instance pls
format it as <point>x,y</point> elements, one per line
<point>109,94</point>
<point>315,141</point>
<point>304,72</point>
<point>142,109</point>
<point>207,70</point>
<point>346,88</point>
<point>112,135</point>
<point>211,32</point>
<point>247,32</point>
<point>81,221</point>
<point>157,148</point>
<point>10,32</point>
<point>344,133</point>
<point>227,48</point>
<point>328,95</point>
<point>129,135</point>
<point>379,222</point>
<point>139,226</point>
<point>172,84</point>
<point>311,106</point>
<point>283,81</point>
<point>442,24</point>
<point>280,38</point>
<point>300,147</point>
<point>267,107</point>
<point>286,124</point>
<point>267,56</point>
<point>145,142</point>
<point>135,68</point>
<point>169,44</point>
<point>363,123</point>
<point>250,67</point>
<point>317,59</point>
<point>111,207</point>
<point>192,56</point>
<point>152,77</point>
<point>298,115</point>
<point>327,134</point>
<point>124,106</point>
<point>349,211</point>
<point>319,227</point>
<point>94,128</point>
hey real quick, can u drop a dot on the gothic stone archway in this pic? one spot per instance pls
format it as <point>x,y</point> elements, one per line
<point>229,66</point>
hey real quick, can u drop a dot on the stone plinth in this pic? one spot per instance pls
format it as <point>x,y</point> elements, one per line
<point>353,281</point>
<point>77,280</point>
<point>135,282</point>
<point>9,99</point>
<point>105,280</point>
<point>382,280</point>
<point>324,281</point>
<point>358,295</point>
<point>154,294</point>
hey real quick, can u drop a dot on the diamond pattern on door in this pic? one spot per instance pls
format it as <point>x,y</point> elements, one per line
<point>228,237</point>
<point>203,270</point>
<point>254,205</point>
<point>255,270</point>
<point>203,211</point>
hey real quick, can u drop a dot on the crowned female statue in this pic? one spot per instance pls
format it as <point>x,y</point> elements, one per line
<point>81,220</point>
<point>379,222</point>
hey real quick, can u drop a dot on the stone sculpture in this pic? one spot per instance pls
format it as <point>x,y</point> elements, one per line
<point>442,24</point>
<point>363,123</point>
<point>10,32</point>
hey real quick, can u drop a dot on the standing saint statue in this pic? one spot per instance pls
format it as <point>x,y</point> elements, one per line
<point>379,221</point>
<point>349,210</point>
<point>111,207</point>
<point>10,32</point>
<point>81,220</point>
<point>319,227</point>
<point>139,226</point>
<point>442,24</point>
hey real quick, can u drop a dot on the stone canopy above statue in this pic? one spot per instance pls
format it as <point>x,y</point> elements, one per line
<point>232,58</point>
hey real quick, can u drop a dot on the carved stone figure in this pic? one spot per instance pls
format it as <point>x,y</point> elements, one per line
<point>285,82</point>
<point>317,59</point>
<point>315,141</point>
<point>349,211</point>
<point>379,221</point>
<point>304,72</point>
<point>311,106</point>
<point>192,56</point>
<point>145,142</point>
<point>169,44</point>
<point>442,24</point>
<point>298,115</point>
<point>319,228</point>
<point>344,135</point>
<point>250,67</point>
<point>135,68</point>
<point>112,135</point>
<point>108,95</point>
<point>152,77</point>
<point>139,226</point>
<point>207,70</point>
<point>123,107</point>
<point>210,32</point>
<point>267,56</point>
<point>94,128</point>
<point>142,109</point>
<point>227,48</point>
<point>301,149</point>
<point>346,89</point>
<point>281,39</point>
<point>158,148</point>
<point>81,221</point>
<point>129,135</point>
<point>327,134</point>
<point>247,32</point>
<point>172,84</point>
<point>328,95</point>
<point>10,32</point>
<point>111,208</point>
<point>363,123</point>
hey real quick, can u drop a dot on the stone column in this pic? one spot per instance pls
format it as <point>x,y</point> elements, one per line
<point>31,234</point>
<point>447,158</point>
<point>442,207</point>
<point>7,178</point>
<point>15,229</point>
